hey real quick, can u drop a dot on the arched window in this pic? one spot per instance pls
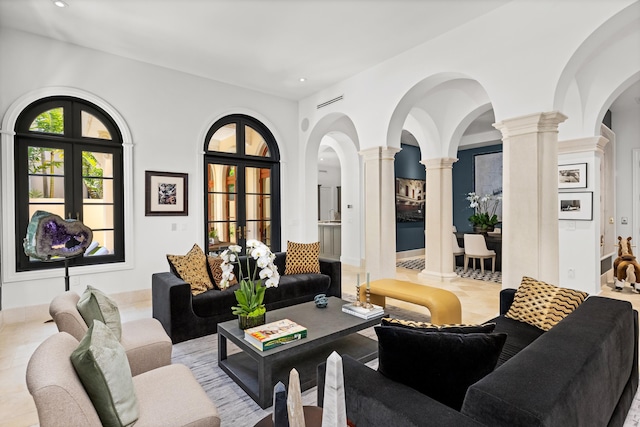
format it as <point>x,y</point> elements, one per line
<point>69,161</point>
<point>242,199</point>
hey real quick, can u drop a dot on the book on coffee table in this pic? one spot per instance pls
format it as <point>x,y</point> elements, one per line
<point>274,334</point>
<point>363,313</point>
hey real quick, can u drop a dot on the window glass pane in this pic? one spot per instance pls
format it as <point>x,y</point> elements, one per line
<point>97,216</point>
<point>45,161</point>
<point>258,180</point>
<point>92,127</point>
<point>259,230</point>
<point>51,121</point>
<point>46,187</point>
<point>97,173</point>
<point>221,207</point>
<point>223,237</point>
<point>102,243</point>
<point>224,139</point>
<point>54,208</point>
<point>254,143</point>
<point>258,206</point>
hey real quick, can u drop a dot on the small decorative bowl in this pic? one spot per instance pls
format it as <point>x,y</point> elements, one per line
<point>321,300</point>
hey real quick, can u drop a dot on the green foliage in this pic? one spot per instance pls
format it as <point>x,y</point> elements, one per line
<point>250,298</point>
<point>92,173</point>
<point>51,121</point>
<point>483,220</point>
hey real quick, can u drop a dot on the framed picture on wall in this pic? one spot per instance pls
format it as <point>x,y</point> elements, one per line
<point>572,176</point>
<point>410,199</point>
<point>576,206</point>
<point>166,194</point>
<point>487,176</point>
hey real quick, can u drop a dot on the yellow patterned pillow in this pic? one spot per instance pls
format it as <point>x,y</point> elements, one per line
<point>543,305</point>
<point>302,258</point>
<point>192,268</point>
<point>215,268</point>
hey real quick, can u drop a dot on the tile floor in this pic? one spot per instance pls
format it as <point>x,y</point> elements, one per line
<point>480,301</point>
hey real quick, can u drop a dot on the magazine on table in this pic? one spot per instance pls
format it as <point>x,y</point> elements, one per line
<point>274,334</point>
<point>364,313</point>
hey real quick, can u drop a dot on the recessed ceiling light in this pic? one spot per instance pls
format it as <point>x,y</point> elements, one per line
<point>60,3</point>
<point>302,79</point>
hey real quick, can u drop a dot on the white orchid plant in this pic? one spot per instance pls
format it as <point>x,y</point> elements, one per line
<point>485,207</point>
<point>250,296</point>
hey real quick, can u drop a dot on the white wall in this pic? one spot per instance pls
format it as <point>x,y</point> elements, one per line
<point>626,125</point>
<point>168,114</point>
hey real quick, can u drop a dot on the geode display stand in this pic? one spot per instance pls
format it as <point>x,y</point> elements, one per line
<point>51,238</point>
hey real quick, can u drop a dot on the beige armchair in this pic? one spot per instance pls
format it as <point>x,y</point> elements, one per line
<point>145,341</point>
<point>167,396</point>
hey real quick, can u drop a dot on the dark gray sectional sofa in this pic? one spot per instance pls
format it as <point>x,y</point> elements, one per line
<point>583,372</point>
<point>185,316</point>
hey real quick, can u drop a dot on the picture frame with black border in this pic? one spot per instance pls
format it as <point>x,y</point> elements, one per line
<point>576,206</point>
<point>572,176</point>
<point>166,193</point>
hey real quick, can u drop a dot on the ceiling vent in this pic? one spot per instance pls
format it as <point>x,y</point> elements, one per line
<point>331,101</point>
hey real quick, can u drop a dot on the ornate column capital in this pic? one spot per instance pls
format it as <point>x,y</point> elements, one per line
<point>383,153</point>
<point>532,123</point>
<point>441,163</point>
<point>582,145</point>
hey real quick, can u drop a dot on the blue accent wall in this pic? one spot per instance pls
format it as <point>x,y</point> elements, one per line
<point>463,184</point>
<point>409,235</point>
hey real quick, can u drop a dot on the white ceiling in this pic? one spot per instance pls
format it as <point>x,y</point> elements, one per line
<point>265,45</point>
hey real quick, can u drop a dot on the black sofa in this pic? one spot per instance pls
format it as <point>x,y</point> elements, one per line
<point>582,372</point>
<point>185,316</point>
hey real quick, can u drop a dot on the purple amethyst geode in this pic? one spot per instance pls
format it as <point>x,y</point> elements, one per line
<point>48,235</point>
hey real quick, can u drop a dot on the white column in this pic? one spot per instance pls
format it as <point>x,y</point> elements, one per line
<point>439,262</point>
<point>530,198</point>
<point>380,214</point>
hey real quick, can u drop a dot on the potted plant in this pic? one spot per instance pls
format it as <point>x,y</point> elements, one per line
<point>250,297</point>
<point>213,236</point>
<point>484,217</point>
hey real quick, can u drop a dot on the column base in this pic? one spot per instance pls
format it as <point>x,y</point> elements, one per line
<point>436,275</point>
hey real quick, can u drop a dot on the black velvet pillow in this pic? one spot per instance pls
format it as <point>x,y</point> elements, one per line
<point>430,327</point>
<point>441,365</point>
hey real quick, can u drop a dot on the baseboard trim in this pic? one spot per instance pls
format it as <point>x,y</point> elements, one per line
<point>410,253</point>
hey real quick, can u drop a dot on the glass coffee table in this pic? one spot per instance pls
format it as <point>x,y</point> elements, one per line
<point>328,330</point>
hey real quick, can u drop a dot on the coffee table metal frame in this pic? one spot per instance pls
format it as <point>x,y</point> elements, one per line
<point>328,329</point>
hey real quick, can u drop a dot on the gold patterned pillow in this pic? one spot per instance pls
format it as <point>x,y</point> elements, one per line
<point>456,328</point>
<point>543,305</point>
<point>215,268</point>
<point>302,258</point>
<point>192,268</point>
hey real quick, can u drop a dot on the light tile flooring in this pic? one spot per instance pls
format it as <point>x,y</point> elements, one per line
<point>480,301</point>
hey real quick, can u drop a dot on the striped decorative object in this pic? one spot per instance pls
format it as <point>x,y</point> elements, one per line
<point>543,305</point>
<point>430,327</point>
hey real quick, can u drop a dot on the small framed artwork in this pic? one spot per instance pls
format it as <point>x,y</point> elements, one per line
<point>576,206</point>
<point>166,193</point>
<point>572,176</point>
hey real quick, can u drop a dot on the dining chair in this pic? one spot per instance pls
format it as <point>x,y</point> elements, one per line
<point>457,250</point>
<point>475,246</point>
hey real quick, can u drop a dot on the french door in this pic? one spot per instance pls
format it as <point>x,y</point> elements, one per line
<point>242,182</point>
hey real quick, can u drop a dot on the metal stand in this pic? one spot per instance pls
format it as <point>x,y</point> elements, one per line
<point>66,274</point>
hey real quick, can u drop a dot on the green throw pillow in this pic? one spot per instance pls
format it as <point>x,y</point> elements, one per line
<point>94,305</point>
<point>102,366</point>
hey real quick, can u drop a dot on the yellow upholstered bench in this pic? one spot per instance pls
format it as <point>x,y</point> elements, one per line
<point>444,305</point>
